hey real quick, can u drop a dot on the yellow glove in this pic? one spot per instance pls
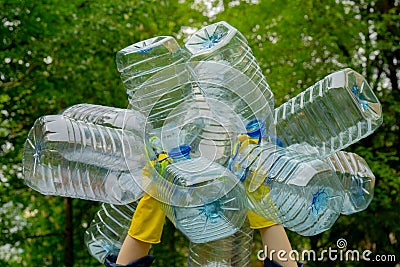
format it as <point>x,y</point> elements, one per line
<point>258,222</point>
<point>147,221</point>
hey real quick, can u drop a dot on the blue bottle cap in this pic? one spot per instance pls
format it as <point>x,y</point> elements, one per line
<point>182,151</point>
<point>255,128</point>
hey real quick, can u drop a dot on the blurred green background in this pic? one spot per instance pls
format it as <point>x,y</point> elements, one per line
<point>54,54</point>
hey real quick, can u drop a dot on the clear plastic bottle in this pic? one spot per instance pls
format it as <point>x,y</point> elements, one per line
<point>230,101</point>
<point>297,190</point>
<point>222,43</point>
<point>108,229</point>
<point>107,116</point>
<point>357,179</point>
<point>158,86</point>
<point>231,251</point>
<point>66,157</point>
<point>327,117</point>
<point>167,100</point>
<point>140,61</point>
<point>206,202</point>
<point>232,84</point>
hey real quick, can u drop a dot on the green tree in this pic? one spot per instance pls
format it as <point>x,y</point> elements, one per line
<point>54,54</point>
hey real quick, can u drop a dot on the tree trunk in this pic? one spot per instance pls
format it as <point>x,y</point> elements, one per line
<point>69,242</point>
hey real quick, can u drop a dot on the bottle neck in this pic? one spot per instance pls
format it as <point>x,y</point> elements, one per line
<point>180,153</point>
<point>256,129</point>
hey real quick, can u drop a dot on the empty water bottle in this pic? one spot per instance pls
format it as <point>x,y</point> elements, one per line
<point>206,202</point>
<point>297,190</point>
<point>330,115</point>
<point>108,229</point>
<point>66,157</point>
<point>231,101</point>
<point>232,251</point>
<point>357,179</point>
<point>232,83</point>
<point>160,89</point>
<point>149,74</point>
<point>107,116</point>
<point>140,61</point>
<point>215,137</point>
<point>167,100</point>
<point>220,42</point>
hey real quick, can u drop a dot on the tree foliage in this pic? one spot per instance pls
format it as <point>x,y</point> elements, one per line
<point>54,54</point>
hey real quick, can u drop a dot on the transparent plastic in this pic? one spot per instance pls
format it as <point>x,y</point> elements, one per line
<point>231,100</point>
<point>66,157</point>
<point>165,81</point>
<point>232,251</point>
<point>191,107</point>
<point>211,202</point>
<point>112,117</point>
<point>220,42</point>
<point>296,190</point>
<point>141,60</point>
<point>234,96</point>
<point>329,116</point>
<point>108,229</point>
<point>167,101</point>
<point>357,179</point>
<point>169,95</point>
<point>234,64</point>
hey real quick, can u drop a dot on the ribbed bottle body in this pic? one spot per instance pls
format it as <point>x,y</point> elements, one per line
<point>297,190</point>
<point>220,42</point>
<point>108,229</point>
<point>206,201</point>
<point>158,86</point>
<point>231,251</point>
<point>140,61</point>
<point>312,209</point>
<point>357,179</point>
<point>169,105</point>
<point>71,158</point>
<point>214,140</point>
<point>228,100</point>
<point>232,83</point>
<point>107,116</point>
<point>327,117</point>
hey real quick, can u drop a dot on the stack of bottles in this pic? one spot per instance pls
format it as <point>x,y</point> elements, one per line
<point>187,93</point>
<point>168,96</point>
<point>336,112</point>
<point>201,135</point>
<point>290,185</point>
